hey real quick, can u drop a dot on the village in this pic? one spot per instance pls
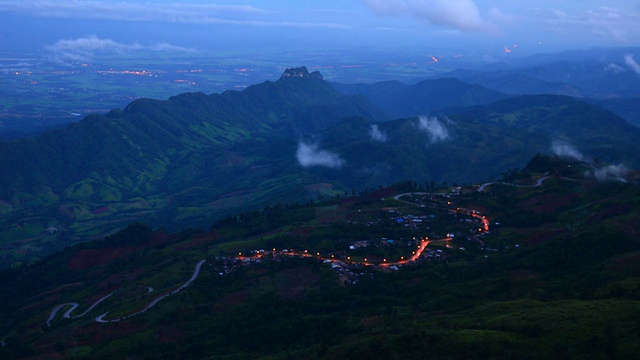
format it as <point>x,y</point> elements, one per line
<point>444,229</point>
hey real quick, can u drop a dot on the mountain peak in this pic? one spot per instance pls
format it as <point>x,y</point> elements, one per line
<point>301,72</point>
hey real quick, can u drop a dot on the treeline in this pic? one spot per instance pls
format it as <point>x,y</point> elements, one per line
<point>269,218</point>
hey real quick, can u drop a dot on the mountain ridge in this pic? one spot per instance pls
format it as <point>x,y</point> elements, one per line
<point>195,158</point>
<point>426,97</point>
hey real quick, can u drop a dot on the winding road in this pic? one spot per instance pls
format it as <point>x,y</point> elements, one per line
<point>67,314</point>
<point>538,183</point>
<point>101,319</point>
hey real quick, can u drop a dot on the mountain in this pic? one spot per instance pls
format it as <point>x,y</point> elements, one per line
<point>168,160</point>
<point>541,265</point>
<point>628,108</point>
<point>584,125</point>
<point>516,83</point>
<point>476,143</point>
<point>194,158</point>
<point>426,97</point>
<point>597,73</point>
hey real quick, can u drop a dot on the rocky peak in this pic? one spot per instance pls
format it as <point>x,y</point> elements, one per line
<point>301,72</point>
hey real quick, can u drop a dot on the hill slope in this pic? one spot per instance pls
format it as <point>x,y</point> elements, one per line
<point>551,272</point>
<point>196,158</point>
<point>192,155</point>
<point>477,143</point>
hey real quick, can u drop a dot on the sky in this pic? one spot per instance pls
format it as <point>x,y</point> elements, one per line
<point>76,29</point>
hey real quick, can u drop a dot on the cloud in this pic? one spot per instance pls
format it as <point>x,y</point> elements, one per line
<point>462,15</point>
<point>613,23</point>
<point>564,150</point>
<point>632,64</point>
<point>611,172</point>
<point>434,129</point>
<point>85,49</point>
<point>376,134</point>
<point>615,68</point>
<point>600,172</point>
<point>183,13</point>
<point>309,155</point>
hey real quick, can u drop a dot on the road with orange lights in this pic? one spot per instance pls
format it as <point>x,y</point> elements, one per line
<point>291,252</point>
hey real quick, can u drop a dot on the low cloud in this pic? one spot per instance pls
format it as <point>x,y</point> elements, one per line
<point>600,172</point>
<point>462,15</point>
<point>85,49</point>
<point>632,63</point>
<point>434,128</point>
<point>564,150</point>
<point>614,68</point>
<point>309,155</point>
<point>611,172</point>
<point>376,134</point>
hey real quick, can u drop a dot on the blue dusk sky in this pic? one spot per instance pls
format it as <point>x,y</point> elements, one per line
<point>76,29</point>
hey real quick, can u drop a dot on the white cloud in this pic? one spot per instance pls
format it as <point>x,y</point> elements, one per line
<point>614,23</point>
<point>376,134</point>
<point>615,68</point>
<point>435,130</point>
<point>85,49</point>
<point>309,155</point>
<point>183,13</point>
<point>611,172</point>
<point>564,150</point>
<point>462,15</point>
<point>632,64</point>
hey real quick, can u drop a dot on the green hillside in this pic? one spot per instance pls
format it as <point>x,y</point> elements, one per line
<point>477,143</point>
<point>196,158</point>
<point>508,270</point>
